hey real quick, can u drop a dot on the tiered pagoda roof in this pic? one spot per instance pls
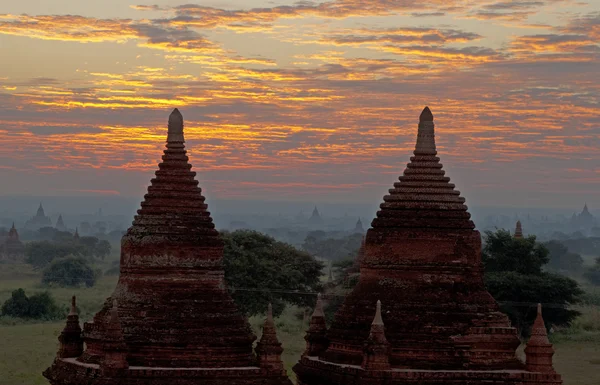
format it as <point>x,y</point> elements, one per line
<point>422,259</point>
<point>176,319</point>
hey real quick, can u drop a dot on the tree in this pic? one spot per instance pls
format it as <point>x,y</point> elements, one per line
<point>518,294</point>
<point>562,259</point>
<point>260,269</point>
<point>503,252</point>
<point>333,249</point>
<point>38,306</point>
<point>40,254</point>
<point>592,274</point>
<point>514,276</point>
<point>71,271</point>
<point>17,305</point>
<point>94,247</point>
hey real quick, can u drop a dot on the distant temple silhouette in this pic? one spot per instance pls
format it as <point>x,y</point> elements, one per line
<point>518,230</point>
<point>39,220</point>
<point>11,247</point>
<point>315,218</point>
<point>358,228</point>
<point>584,220</point>
<point>60,224</point>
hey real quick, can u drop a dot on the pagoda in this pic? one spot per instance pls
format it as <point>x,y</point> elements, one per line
<point>315,218</point>
<point>39,220</point>
<point>422,261</point>
<point>60,224</point>
<point>358,228</point>
<point>518,230</point>
<point>12,249</point>
<point>170,319</point>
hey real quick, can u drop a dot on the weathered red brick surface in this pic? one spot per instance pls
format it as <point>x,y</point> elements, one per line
<point>422,259</point>
<point>173,320</point>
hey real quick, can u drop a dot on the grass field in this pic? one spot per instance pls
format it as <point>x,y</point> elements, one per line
<point>26,349</point>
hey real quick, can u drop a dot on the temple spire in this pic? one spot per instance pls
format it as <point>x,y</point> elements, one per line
<point>426,135</point>
<point>40,211</point>
<point>71,343</point>
<point>376,354</point>
<point>539,351</point>
<point>268,349</point>
<point>175,132</point>
<point>316,336</point>
<point>518,230</point>
<point>115,350</point>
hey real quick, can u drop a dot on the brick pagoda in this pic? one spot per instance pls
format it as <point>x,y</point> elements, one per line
<point>12,249</point>
<point>170,319</point>
<point>436,323</point>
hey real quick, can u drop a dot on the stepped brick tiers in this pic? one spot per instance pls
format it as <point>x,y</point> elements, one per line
<point>422,259</point>
<point>518,230</point>
<point>170,319</point>
<point>11,248</point>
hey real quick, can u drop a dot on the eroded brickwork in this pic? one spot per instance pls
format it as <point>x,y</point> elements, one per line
<point>422,260</point>
<point>170,319</point>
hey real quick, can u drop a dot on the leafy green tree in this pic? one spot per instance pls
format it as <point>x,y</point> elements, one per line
<point>17,305</point>
<point>562,259</point>
<point>38,306</point>
<point>514,276</point>
<point>592,274</point>
<point>260,269</point>
<point>518,293</point>
<point>334,249</point>
<point>503,252</point>
<point>71,271</point>
<point>40,254</point>
<point>95,247</point>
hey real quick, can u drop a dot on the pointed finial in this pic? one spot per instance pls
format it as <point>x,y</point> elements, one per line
<point>539,309</point>
<point>73,306</point>
<point>114,314</point>
<point>13,226</point>
<point>426,115</point>
<point>175,132</point>
<point>319,307</point>
<point>270,313</point>
<point>426,135</point>
<point>378,320</point>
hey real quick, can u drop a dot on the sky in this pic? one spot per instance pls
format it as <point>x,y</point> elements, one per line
<point>307,101</point>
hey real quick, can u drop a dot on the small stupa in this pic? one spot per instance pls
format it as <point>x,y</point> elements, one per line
<point>315,218</point>
<point>12,249</point>
<point>518,230</point>
<point>358,228</point>
<point>60,224</point>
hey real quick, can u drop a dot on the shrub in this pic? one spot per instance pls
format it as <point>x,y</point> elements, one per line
<point>71,272</point>
<point>38,306</point>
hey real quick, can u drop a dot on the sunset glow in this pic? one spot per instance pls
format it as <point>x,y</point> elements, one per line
<point>304,100</point>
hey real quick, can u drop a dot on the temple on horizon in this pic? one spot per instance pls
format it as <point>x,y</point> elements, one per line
<point>170,320</point>
<point>11,247</point>
<point>420,313</point>
<point>39,220</point>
